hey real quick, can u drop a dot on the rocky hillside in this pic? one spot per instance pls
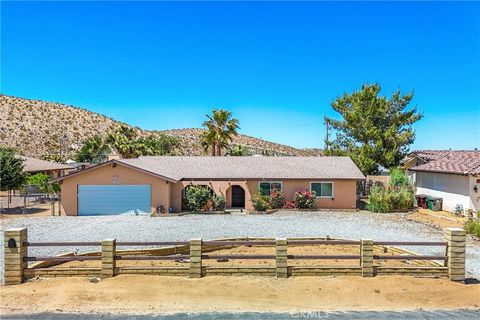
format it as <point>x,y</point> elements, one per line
<point>40,129</point>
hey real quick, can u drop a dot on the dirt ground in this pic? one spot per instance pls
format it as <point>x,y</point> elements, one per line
<point>36,209</point>
<point>441,219</point>
<point>243,250</point>
<point>132,294</point>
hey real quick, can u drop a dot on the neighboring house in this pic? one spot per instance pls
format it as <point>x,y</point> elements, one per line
<point>453,175</point>
<point>143,184</point>
<point>33,166</point>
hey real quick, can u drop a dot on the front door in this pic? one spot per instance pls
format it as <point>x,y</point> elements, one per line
<point>238,197</point>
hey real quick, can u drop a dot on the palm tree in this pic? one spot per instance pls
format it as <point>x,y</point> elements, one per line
<point>221,128</point>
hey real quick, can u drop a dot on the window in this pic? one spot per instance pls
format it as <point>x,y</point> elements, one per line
<point>322,189</point>
<point>266,187</point>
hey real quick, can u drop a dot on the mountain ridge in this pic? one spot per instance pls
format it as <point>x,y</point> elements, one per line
<point>40,129</point>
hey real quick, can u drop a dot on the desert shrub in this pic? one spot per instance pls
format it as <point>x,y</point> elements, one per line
<point>197,197</point>
<point>387,199</point>
<point>398,178</point>
<point>402,198</point>
<point>277,200</point>
<point>219,202</point>
<point>260,201</point>
<point>379,200</point>
<point>304,199</point>
<point>472,227</point>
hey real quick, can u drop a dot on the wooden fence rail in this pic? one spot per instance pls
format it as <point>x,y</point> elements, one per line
<point>196,251</point>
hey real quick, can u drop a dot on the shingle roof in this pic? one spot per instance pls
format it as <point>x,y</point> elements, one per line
<point>35,165</point>
<point>465,162</point>
<point>177,168</point>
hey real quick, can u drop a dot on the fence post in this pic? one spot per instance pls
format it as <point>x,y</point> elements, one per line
<point>195,258</point>
<point>109,248</point>
<point>281,261</point>
<point>15,250</point>
<point>456,243</point>
<point>366,260</point>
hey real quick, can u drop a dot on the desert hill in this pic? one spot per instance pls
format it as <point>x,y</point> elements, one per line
<point>41,129</point>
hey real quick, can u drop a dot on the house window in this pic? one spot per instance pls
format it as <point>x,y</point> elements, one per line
<point>266,187</point>
<point>322,189</point>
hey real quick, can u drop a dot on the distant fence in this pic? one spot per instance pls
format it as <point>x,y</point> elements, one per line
<point>196,251</point>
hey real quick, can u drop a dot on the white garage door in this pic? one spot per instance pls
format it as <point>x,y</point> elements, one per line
<point>96,200</point>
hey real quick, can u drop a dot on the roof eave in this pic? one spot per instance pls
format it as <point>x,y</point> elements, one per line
<point>115,162</point>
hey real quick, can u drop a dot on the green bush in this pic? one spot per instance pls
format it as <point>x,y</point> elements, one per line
<point>260,201</point>
<point>398,178</point>
<point>197,197</point>
<point>219,202</point>
<point>379,200</point>
<point>304,199</point>
<point>472,227</point>
<point>387,199</point>
<point>277,200</point>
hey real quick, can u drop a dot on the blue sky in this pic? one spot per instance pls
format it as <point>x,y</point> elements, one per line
<point>276,66</point>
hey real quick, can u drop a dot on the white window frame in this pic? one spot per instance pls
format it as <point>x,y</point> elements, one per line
<point>269,181</point>
<point>324,197</point>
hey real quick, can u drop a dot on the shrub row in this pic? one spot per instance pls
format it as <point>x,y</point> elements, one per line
<point>276,200</point>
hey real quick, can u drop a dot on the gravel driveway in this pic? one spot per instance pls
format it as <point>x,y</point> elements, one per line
<point>352,225</point>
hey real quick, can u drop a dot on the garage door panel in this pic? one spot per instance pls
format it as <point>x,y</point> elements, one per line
<point>113,199</point>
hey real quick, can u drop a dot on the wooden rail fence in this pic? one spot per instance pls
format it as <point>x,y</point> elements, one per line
<point>195,251</point>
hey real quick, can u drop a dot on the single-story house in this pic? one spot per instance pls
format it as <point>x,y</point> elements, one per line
<point>34,166</point>
<point>453,175</point>
<point>142,185</point>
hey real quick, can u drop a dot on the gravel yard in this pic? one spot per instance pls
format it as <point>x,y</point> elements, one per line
<point>352,225</point>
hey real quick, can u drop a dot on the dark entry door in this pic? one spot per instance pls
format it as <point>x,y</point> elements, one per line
<point>238,197</point>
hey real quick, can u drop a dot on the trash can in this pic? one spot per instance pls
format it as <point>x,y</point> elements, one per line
<point>422,201</point>
<point>429,202</point>
<point>436,203</point>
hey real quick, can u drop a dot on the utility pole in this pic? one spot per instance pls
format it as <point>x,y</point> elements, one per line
<point>326,133</point>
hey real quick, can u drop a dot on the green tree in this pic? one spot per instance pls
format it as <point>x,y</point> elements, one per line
<point>12,176</point>
<point>93,150</point>
<point>161,145</point>
<point>124,141</point>
<point>398,178</point>
<point>239,150</point>
<point>221,128</point>
<point>375,130</point>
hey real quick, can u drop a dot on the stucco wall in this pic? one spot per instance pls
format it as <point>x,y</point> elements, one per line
<point>344,192</point>
<point>105,176</point>
<point>170,194</point>
<point>454,189</point>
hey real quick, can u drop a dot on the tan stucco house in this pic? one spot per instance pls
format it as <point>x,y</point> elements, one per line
<point>144,184</point>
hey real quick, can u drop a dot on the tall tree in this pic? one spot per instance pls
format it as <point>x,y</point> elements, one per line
<point>161,145</point>
<point>12,176</point>
<point>221,128</point>
<point>124,141</point>
<point>93,150</point>
<point>375,130</point>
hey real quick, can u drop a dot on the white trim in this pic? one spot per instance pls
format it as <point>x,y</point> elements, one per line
<point>324,197</point>
<point>270,181</point>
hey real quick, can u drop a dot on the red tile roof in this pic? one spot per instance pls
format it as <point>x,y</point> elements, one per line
<point>465,162</point>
